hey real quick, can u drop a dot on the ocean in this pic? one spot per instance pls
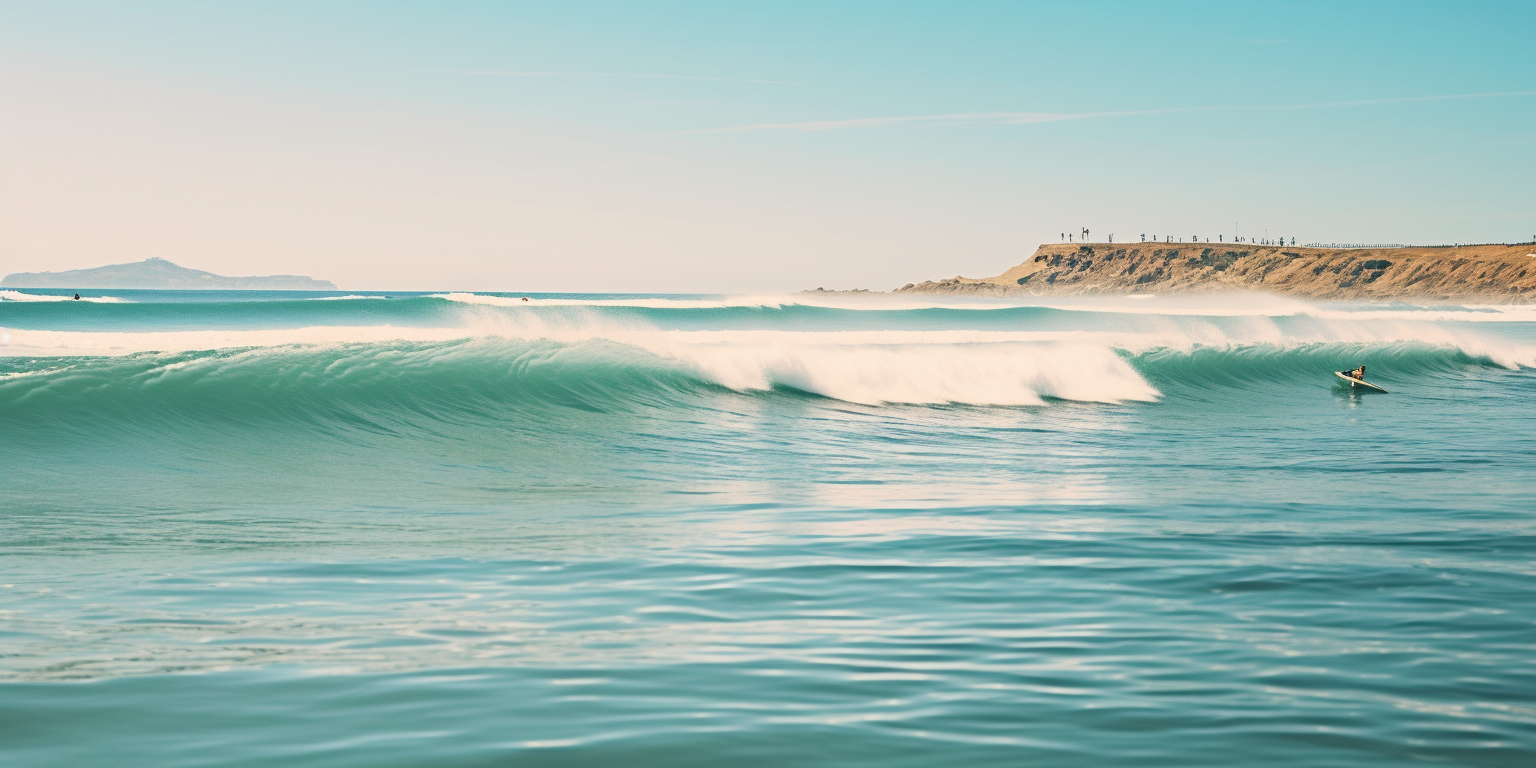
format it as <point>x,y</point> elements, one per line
<point>464,529</point>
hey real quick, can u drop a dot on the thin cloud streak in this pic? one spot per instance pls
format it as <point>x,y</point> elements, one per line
<point>635,75</point>
<point>1397,100</point>
<point>958,118</point>
<point>1032,118</point>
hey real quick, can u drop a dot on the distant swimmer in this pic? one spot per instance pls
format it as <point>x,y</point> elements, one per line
<point>525,298</point>
<point>77,297</point>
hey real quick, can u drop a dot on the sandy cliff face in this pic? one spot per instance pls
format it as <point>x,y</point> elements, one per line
<point>1505,273</point>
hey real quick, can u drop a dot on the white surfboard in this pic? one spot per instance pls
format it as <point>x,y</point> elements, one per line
<point>1354,382</point>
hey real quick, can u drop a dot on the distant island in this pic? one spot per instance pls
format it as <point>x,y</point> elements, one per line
<point>160,274</point>
<point>1504,273</point>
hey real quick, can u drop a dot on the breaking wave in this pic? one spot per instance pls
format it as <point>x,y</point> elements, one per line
<point>328,383</point>
<point>487,363</point>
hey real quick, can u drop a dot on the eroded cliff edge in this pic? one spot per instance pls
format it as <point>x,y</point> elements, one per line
<point>1500,273</point>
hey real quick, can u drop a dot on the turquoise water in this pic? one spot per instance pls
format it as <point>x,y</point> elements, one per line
<point>259,529</point>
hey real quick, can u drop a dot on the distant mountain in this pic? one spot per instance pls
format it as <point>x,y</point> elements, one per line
<point>160,274</point>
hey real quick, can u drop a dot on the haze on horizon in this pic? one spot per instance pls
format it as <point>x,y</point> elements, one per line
<point>692,148</point>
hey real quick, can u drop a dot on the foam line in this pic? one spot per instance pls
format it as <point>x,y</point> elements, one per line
<point>18,296</point>
<point>648,303</point>
<point>1242,304</point>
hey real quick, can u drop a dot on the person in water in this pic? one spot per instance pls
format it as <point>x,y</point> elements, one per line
<point>77,297</point>
<point>1358,373</point>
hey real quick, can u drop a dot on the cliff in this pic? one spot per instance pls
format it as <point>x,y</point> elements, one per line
<point>160,274</point>
<point>1503,273</point>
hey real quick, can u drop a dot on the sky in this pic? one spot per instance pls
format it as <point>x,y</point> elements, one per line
<point>740,147</point>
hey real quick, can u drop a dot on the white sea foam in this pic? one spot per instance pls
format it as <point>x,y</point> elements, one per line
<point>38,372</point>
<point>37,297</point>
<point>650,303</point>
<point>998,373</point>
<point>15,342</point>
<point>1235,304</point>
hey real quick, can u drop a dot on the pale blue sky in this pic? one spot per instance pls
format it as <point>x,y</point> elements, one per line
<point>705,147</point>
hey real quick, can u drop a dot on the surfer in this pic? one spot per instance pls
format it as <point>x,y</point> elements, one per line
<point>1357,382</point>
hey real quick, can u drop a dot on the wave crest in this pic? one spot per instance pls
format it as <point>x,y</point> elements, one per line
<point>496,362</point>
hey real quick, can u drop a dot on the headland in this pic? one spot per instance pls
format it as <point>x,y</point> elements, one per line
<point>1499,273</point>
<point>159,274</point>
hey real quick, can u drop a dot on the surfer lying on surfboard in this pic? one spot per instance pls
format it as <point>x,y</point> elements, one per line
<point>1356,379</point>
